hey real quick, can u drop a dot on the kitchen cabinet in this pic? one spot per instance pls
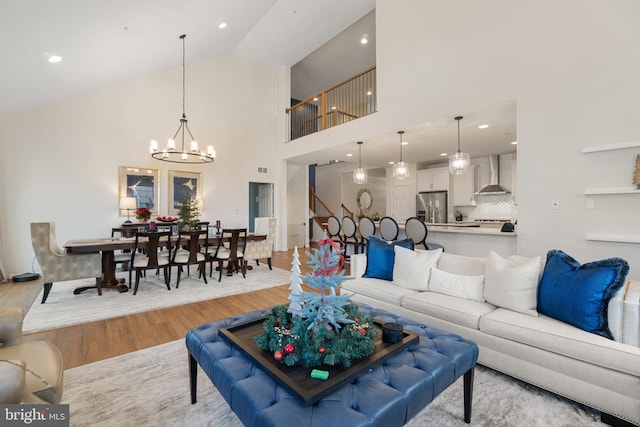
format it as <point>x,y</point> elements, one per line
<point>463,188</point>
<point>435,179</point>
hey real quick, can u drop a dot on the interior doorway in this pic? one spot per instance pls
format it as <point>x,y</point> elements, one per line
<point>260,201</point>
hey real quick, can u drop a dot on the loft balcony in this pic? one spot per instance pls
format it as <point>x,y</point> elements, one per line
<point>342,103</point>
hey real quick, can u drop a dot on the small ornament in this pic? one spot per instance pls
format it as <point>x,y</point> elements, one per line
<point>321,350</point>
<point>363,331</point>
<point>289,349</point>
<point>278,321</point>
<point>355,319</point>
<point>277,356</point>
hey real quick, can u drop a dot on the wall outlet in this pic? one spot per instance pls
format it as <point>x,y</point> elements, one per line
<point>555,204</point>
<point>591,203</point>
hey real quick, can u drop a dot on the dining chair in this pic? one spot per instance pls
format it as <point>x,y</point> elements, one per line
<point>389,228</point>
<point>349,235</point>
<point>262,249</point>
<point>367,228</point>
<point>192,241</point>
<point>234,255</point>
<point>58,266</point>
<point>152,257</point>
<point>124,256</point>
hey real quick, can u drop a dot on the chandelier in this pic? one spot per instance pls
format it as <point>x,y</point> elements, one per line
<point>360,174</point>
<point>400,169</point>
<point>193,154</point>
<point>459,162</point>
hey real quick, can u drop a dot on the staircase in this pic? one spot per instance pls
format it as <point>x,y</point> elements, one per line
<point>319,210</point>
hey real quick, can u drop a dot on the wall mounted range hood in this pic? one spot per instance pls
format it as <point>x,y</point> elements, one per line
<point>494,178</point>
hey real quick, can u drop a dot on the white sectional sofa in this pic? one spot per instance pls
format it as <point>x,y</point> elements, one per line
<point>599,372</point>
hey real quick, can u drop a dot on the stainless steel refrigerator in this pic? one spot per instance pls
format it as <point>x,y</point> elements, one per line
<point>431,206</point>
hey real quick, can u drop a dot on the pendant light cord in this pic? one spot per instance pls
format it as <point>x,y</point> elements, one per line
<point>458,118</point>
<point>183,75</point>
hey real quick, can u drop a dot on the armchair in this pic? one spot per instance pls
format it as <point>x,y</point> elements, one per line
<point>56,265</point>
<point>30,372</point>
<point>262,249</point>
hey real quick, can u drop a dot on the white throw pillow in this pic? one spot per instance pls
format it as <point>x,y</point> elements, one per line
<point>411,268</point>
<point>456,285</point>
<point>512,282</point>
<point>460,264</point>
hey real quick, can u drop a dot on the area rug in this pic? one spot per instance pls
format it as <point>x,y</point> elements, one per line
<point>63,308</point>
<point>151,387</point>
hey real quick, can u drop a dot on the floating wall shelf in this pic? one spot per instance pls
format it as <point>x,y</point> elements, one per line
<point>611,147</point>
<point>618,238</point>
<point>610,190</point>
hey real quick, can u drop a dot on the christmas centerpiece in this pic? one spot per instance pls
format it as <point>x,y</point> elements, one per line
<point>321,328</point>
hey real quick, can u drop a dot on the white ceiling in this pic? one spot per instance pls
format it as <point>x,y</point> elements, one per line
<point>107,42</point>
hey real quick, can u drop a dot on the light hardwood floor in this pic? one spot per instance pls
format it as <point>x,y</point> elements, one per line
<point>94,341</point>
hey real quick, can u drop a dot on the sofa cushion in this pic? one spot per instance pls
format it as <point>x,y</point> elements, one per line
<point>456,285</point>
<point>411,269</point>
<point>558,337</point>
<point>378,289</point>
<point>460,264</point>
<point>462,312</point>
<point>580,294</point>
<point>380,257</point>
<point>512,282</point>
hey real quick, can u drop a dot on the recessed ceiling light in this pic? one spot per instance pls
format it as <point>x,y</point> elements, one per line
<point>443,154</point>
<point>404,143</point>
<point>222,25</point>
<point>54,59</point>
<point>391,163</point>
<point>364,40</point>
<point>514,143</point>
<point>483,126</point>
<point>369,93</point>
<point>349,154</point>
<point>333,108</point>
<point>315,99</point>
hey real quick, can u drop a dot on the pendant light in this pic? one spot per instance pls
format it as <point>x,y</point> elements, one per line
<point>459,162</point>
<point>193,154</point>
<point>400,169</point>
<point>360,174</point>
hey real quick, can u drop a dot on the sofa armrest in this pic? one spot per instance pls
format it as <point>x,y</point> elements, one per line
<point>10,325</point>
<point>624,314</point>
<point>358,265</point>
<point>12,381</point>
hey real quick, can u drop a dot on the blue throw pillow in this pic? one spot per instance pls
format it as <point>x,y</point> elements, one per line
<point>381,256</point>
<point>579,294</point>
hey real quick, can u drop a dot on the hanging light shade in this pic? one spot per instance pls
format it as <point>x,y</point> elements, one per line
<point>360,174</point>
<point>191,155</point>
<point>459,162</point>
<point>400,169</point>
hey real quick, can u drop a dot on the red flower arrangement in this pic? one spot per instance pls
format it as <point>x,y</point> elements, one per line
<point>143,214</point>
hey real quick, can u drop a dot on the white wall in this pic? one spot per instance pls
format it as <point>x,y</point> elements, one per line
<point>60,162</point>
<point>571,66</point>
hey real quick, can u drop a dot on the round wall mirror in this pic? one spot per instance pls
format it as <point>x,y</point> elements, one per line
<point>364,199</point>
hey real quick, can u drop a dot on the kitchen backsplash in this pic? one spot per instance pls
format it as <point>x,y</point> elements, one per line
<point>497,206</point>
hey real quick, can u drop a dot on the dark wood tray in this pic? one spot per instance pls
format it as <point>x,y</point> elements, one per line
<point>297,379</point>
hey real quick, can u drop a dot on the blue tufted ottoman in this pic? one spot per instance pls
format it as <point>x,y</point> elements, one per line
<point>388,395</point>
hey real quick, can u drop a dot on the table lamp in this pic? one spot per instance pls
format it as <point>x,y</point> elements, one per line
<point>128,204</point>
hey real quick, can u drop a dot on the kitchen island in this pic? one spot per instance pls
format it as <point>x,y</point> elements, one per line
<point>472,240</point>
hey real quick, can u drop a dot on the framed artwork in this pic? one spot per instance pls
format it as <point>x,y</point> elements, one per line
<point>183,186</point>
<point>143,184</point>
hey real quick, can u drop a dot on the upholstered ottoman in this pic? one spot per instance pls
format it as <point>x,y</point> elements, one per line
<point>388,395</point>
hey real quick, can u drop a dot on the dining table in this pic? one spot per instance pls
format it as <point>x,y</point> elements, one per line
<point>107,246</point>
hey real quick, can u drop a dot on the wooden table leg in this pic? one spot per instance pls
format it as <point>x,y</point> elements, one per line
<point>109,279</point>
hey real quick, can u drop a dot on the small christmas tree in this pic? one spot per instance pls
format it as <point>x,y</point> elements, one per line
<point>318,328</point>
<point>636,172</point>
<point>296,284</point>
<point>188,213</point>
